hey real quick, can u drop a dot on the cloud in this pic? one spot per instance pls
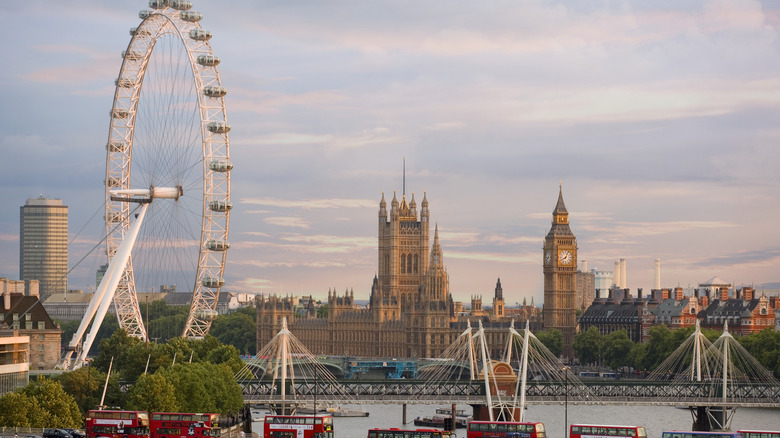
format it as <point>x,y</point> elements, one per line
<point>282,221</point>
<point>764,257</point>
<point>288,264</point>
<point>646,229</point>
<point>311,204</point>
<point>493,257</point>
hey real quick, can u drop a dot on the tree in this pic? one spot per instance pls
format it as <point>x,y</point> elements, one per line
<point>587,346</point>
<point>765,347</point>
<point>616,349</point>
<point>85,385</point>
<point>237,329</point>
<point>49,405</point>
<point>19,410</point>
<point>552,339</point>
<point>205,387</point>
<point>152,393</point>
<point>322,311</point>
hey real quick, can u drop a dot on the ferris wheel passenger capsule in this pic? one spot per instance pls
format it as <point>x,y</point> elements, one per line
<point>191,16</point>
<point>143,15</point>
<point>143,32</point>
<point>115,217</point>
<point>181,5</point>
<point>213,282</point>
<point>120,113</point>
<point>221,165</point>
<point>159,4</point>
<point>125,83</point>
<point>218,127</point>
<point>207,314</point>
<point>116,146</point>
<point>208,60</point>
<point>212,91</point>
<point>217,245</point>
<point>200,34</point>
<point>132,55</point>
<point>221,206</point>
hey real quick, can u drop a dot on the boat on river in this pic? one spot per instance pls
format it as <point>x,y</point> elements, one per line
<point>440,422</point>
<point>339,412</point>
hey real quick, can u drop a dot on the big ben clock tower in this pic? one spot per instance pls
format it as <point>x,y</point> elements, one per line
<point>560,276</point>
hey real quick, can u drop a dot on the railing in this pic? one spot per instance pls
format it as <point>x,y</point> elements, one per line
<point>21,431</point>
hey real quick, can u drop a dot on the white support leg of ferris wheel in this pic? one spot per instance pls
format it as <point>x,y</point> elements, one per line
<point>105,292</point>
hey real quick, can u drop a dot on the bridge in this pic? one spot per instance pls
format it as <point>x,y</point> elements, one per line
<point>621,392</point>
<point>712,379</point>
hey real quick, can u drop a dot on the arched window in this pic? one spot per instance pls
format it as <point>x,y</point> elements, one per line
<point>403,263</point>
<point>409,264</point>
<point>416,265</point>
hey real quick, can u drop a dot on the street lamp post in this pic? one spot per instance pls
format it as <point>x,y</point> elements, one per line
<point>566,402</point>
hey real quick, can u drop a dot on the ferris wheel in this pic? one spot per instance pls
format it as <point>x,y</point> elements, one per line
<point>168,169</point>
<point>169,129</point>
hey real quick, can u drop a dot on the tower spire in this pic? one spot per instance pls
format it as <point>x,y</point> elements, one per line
<point>404,179</point>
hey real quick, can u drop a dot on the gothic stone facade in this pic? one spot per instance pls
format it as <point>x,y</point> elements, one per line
<point>410,312</point>
<point>560,276</point>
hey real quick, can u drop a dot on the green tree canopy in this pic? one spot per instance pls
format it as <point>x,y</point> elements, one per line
<point>588,346</point>
<point>616,349</point>
<point>237,329</point>
<point>86,386</point>
<point>42,403</point>
<point>19,410</point>
<point>205,387</point>
<point>152,393</point>
<point>765,347</point>
<point>552,339</point>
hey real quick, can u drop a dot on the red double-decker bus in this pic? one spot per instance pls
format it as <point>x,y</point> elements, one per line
<point>499,429</point>
<point>605,431</point>
<point>116,424</point>
<point>298,426</point>
<point>407,433</point>
<point>182,425</point>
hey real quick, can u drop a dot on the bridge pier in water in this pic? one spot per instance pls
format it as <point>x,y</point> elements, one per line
<point>711,418</point>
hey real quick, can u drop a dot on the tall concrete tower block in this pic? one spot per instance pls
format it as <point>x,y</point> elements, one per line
<point>43,244</point>
<point>616,274</point>
<point>623,280</point>
<point>559,256</point>
<point>657,274</point>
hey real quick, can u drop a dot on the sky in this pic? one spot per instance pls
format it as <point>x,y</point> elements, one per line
<point>657,119</point>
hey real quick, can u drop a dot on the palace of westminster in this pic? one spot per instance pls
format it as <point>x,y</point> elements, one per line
<point>411,312</point>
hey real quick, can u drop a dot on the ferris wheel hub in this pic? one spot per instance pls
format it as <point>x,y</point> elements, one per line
<point>146,195</point>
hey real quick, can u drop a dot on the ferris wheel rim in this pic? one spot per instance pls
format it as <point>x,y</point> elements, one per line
<point>181,23</point>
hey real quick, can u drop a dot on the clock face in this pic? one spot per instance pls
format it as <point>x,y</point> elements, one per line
<point>565,257</point>
<point>547,257</point>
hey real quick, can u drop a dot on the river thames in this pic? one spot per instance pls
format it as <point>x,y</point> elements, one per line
<point>655,418</point>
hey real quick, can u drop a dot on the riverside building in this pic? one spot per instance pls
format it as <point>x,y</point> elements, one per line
<point>410,312</point>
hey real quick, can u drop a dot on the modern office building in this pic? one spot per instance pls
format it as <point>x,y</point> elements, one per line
<point>43,244</point>
<point>14,363</point>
